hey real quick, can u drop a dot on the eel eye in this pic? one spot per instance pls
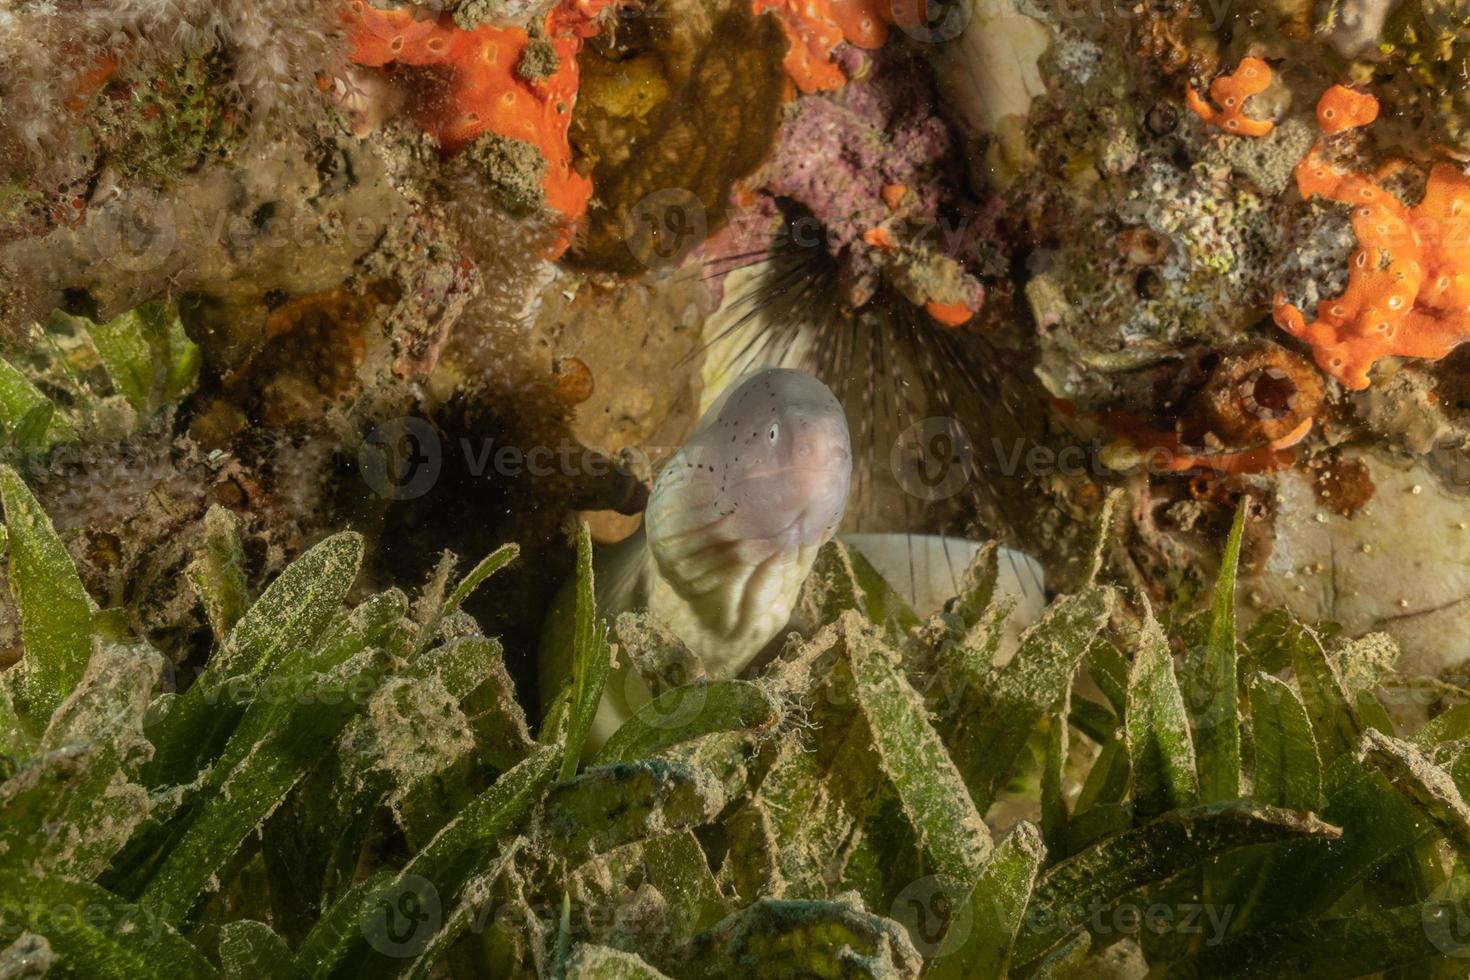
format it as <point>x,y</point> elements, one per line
<point>775,431</point>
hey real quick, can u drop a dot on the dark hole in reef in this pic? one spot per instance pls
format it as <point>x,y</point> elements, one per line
<point>1162,119</point>
<point>1149,285</point>
<point>80,302</point>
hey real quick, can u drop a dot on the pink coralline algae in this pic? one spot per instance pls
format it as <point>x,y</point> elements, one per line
<point>871,162</point>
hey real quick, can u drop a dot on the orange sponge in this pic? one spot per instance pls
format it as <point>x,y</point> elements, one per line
<point>1251,77</point>
<point>816,27</point>
<point>1408,292</point>
<point>490,85</point>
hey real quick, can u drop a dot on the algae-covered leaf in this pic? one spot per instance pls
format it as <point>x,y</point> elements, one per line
<point>1159,745</point>
<point>996,906</point>
<point>1334,722</point>
<point>250,950</point>
<point>476,576</point>
<point>689,712</point>
<point>16,742</point>
<point>817,786</point>
<point>1378,825</point>
<point>978,589</point>
<point>950,829</point>
<point>801,939</point>
<point>1287,771</point>
<point>338,933</point>
<point>289,616</point>
<point>1148,855</point>
<point>612,805</point>
<point>282,736</point>
<point>1429,787</point>
<point>1055,814</point>
<point>438,603</point>
<point>589,962</point>
<point>76,806</point>
<point>591,657</point>
<point>360,928</point>
<point>842,579</point>
<point>55,614</point>
<point>293,610</point>
<point>29,438</point>
<point>475,898</point>
<point>1451,725</point>
<point>20,398</point>
<point>472,670</point>
<point>122,346</point>
<point>882,604</point>
<point>678,868</point>
<point>147,354</point>
<point>1214,682</point>
<point>95,934</point>
<point>991,735</point>
<point>1337,948</point>
<point>216,573</point>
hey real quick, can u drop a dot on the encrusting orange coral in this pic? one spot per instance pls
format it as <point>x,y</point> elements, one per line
<point>1408,292</point>
<point>489,88</point>
<point>816,27</point>
<point>1251,77</point>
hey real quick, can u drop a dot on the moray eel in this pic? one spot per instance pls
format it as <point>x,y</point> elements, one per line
<point>733,524</point>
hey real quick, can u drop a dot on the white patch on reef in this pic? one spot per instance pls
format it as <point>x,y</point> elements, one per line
<point>1398,566</point>
<point>991,71</point>
<point>1357,26</point>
